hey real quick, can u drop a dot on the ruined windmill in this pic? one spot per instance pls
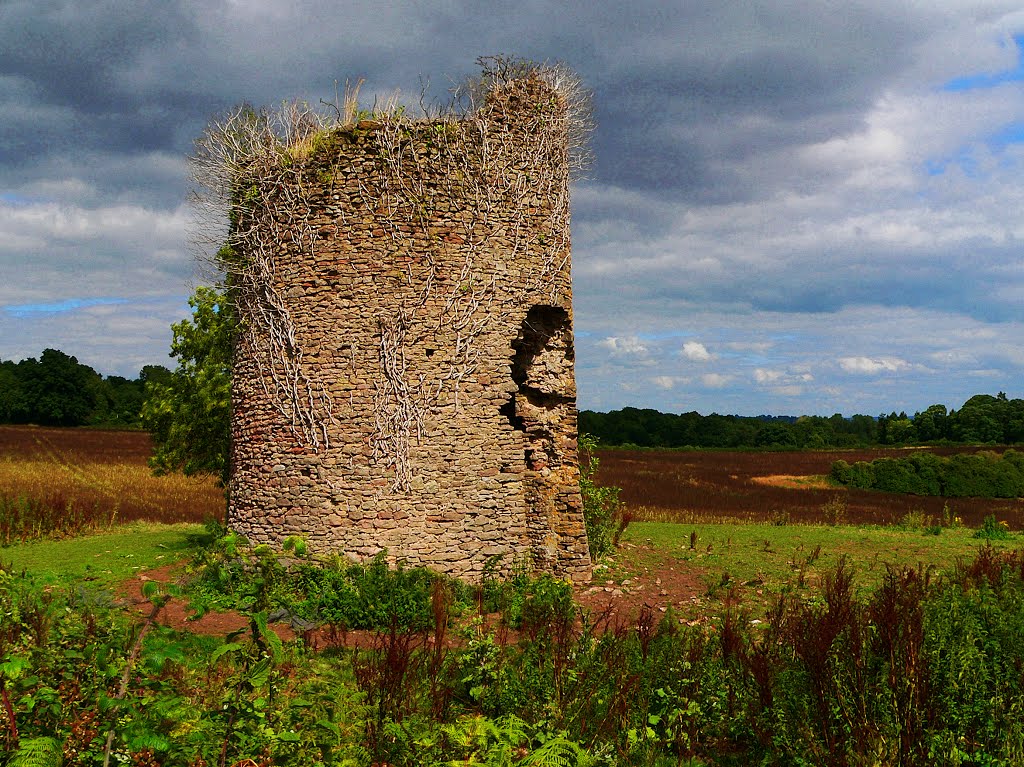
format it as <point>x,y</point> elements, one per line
<point>403,373</point>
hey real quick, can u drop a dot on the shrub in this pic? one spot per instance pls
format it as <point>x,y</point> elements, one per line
<point>345,594</point>
<point>982,475</point>
<point>841,473</point>
<point>862,475</point>
<point>992,530</point>
<point>834,510</point>
<point>603,512</point>
<point>373,596</point>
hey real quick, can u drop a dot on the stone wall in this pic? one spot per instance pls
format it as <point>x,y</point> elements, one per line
<point>404,376</point>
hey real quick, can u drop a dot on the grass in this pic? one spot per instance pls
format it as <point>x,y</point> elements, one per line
<point>65,481</point>
<point>752,564</point>
<point>107,558</point>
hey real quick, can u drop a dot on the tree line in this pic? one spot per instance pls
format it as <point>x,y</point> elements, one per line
<point>58,390</point>
<point>982,419</point>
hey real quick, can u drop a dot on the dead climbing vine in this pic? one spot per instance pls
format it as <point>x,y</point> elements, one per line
<point>245,166</point>
<point>485,168</point>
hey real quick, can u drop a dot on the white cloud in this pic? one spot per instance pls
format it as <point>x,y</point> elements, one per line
<point>869,366</point>
<point>789,390</point>
<point>759,347</point>
<point>763,376</point>
<point>715,380</point>
<point>623,345</point>
<point>787,383</point>
<point>696,352</point>
<point>666,382</point>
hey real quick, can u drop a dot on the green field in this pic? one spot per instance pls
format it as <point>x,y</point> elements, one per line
<point>104,558</point>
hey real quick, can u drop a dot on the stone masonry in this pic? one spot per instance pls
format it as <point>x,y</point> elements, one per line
<point>404,376</point>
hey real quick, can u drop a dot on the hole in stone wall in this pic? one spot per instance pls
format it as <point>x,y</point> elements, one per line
<point>509,411</point>
<point>543,373</point>
<point>542,323</point>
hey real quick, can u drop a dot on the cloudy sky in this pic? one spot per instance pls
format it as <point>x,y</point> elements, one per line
<point>795,207</point>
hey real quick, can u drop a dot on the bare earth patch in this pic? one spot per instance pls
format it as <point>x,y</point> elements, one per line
<point>810,482</point>
<point>656,586</point>
<point>175,614</point>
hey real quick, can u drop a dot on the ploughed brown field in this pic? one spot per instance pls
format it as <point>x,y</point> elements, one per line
<point>102,478</point>
<point>693,486</point>
<point>98,477</point>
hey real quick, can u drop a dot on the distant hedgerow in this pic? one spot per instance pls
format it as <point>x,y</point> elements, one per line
<point>979,475</point>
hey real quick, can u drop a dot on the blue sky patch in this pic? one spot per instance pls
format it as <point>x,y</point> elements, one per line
<point>1011,134</point>
<point>998,141</point>
<point>990,79</point>
<point>14,200</point>
<point>59,307</point>
<point>973,82</point>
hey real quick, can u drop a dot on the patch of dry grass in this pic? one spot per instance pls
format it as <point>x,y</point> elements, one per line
<point>66,481</point>
<point>789,480</point>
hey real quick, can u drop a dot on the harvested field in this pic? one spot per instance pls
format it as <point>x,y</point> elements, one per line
<point>66,481</point>
<point>780,487</point>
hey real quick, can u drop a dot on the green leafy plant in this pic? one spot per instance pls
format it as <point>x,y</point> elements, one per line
<point>603,512</point>
<point>37,752</point>
<point>189,413</point>
<point>993,530</point>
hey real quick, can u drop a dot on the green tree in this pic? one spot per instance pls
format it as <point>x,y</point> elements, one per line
<point>932,423</point>
<point>12,398</point>
<point>58,390</point>
<point>188,412</point>
<point>775,434</point>
<point>980,419</point>
<point>900,431</point>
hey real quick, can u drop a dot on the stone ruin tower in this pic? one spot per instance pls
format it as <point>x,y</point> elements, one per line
<point>403,376</point>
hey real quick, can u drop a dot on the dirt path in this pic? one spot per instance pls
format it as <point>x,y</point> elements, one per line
<point>175,613</point>
<point>654,587</point>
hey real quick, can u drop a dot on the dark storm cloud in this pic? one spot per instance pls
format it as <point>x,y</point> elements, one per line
<point>81,54</point>
<point>679,104</point>
<point>672,84</point>
<point>765,172</point>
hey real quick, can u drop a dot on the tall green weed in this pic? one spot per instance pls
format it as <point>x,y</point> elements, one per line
<point>604,514</point>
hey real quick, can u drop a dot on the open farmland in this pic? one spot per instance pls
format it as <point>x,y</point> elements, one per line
<point>72,480</point>
<point>708,486</point>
